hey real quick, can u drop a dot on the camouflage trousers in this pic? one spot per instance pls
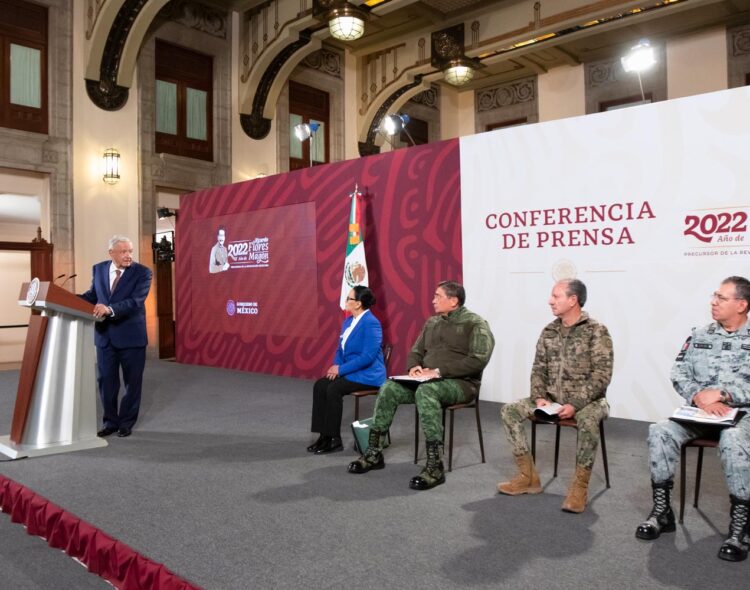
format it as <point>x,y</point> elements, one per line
<point>665,440</point>
<point>514,415</point>
<point>429,399</point>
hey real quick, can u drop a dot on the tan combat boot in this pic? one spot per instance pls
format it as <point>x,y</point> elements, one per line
<point>526,480</point>
<point>578,492</point>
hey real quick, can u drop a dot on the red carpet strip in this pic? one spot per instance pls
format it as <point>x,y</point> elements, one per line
<point>111,559</point>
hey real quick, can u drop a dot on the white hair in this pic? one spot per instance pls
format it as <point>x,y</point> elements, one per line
<point>114,240</point>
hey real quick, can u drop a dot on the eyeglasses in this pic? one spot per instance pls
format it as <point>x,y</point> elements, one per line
<point>720,298</point>
<point>351,298</point>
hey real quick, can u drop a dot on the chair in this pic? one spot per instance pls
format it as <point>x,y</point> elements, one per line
<point>700,443</point>
<point>572,424</point>
<point>451,408</point>
<point>357,395</point>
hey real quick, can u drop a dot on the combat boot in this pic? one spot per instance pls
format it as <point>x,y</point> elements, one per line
<point>578,493</point>
<point>661,519</point>
<point>373,457</point>
<point>434,473</point>
<point>526,480</point>
<point>736,546</point>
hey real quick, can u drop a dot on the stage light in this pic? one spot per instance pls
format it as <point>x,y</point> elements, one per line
<point>640,58</point>
<point>305,131</point>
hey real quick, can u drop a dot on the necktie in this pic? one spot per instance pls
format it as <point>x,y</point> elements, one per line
<point>118,272</point>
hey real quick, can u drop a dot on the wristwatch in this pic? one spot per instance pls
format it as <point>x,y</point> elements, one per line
<point>725,397</point>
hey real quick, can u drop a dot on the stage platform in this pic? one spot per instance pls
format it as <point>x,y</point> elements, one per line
<point>215,484</point>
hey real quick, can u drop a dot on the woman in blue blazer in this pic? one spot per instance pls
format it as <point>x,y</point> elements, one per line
<point>358,364</point>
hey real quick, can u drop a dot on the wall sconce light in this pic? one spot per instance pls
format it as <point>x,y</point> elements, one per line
<point>448,55</point>
<point>346,22</point>
<point>111,166</point>
<point>393,124</point>
<point>305,131</point>
<point>640,58</point>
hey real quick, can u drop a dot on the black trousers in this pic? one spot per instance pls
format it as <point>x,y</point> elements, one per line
<point>328,403</point>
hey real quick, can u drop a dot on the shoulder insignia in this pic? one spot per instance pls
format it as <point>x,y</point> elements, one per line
<point>684,349</point>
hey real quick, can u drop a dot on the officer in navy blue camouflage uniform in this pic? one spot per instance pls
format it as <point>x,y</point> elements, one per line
<point>712,372</point>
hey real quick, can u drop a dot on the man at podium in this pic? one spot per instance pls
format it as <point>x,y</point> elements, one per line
<point>118,291</point>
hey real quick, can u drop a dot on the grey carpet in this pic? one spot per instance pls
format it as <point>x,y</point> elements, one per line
<point>216,484</point>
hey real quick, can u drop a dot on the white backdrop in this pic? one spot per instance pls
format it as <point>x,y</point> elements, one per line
<point>533,198</point>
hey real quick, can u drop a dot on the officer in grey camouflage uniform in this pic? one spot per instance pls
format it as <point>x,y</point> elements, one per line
<point>572,367</point>
<point>452,350</point>
<point>712,372</point>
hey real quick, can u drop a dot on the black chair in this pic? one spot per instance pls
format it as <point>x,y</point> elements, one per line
<point>452,409</point>
<point>572,424</point>
<point>357,395</point>
<point>700,444</point>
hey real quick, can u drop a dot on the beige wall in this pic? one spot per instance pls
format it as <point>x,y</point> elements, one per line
<point>15,267</point>
<point>562,93</point>
<point>351,100</point>
<point>697,63</point>
<point>466,113</point>
<point>101,210</point>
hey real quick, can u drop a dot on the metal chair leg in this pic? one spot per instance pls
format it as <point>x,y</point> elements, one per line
<point>416,435</point>
<point>604,452</point>
<point>356,409</point>
<point>683,455</point>
<point>533,441</point>
<point>479,430</point>
<point>698,473</point>
<point>450,443</point>
<point>557,447</point>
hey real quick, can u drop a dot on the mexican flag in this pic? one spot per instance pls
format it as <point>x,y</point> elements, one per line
<point>355,265</point>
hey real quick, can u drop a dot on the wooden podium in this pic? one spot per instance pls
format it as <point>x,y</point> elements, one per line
<point>55,409</point>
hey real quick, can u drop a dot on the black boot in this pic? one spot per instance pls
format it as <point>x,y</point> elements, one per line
<point>661,519</point>
<point>736,546</point>
<point>314,447</point>
<point>332,445</point>
<point>433,474</point>
<point>373,457</point>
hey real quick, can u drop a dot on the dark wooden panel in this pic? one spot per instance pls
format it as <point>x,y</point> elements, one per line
<point>31,354</point>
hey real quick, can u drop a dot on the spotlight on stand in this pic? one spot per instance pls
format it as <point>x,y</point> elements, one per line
<point>393,124</point>
<point>640,58</point>
<point>305,131</point>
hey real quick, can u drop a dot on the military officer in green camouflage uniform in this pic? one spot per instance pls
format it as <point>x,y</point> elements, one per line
<point>451,351</point>
<point>572,367</point>
<point>712,372</point>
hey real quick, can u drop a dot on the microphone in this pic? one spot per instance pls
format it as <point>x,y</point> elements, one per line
<point>58,278</point>
<point>74,275</point>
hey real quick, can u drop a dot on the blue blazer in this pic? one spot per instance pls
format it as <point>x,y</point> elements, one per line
<point>127,328</point>
<point>362,359</point>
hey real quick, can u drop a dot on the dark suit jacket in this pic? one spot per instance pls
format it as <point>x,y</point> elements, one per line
<point>361,360</point>
<point>127,328</point>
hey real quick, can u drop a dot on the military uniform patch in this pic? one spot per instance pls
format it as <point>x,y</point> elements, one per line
<point>703,345</point>
<point>726,346</point>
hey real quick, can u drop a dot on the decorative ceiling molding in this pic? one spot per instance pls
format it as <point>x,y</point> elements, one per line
<point>105,92</point>
<point>255,124</point>
<point>197,16</point>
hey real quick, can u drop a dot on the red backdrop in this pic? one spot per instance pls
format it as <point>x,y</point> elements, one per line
<point>412,241</point>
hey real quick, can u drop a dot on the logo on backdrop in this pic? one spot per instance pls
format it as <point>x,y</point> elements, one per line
<point>242,307</point>
<point>721,232</point>
<point>253,253</point>
<point>564,227</point>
